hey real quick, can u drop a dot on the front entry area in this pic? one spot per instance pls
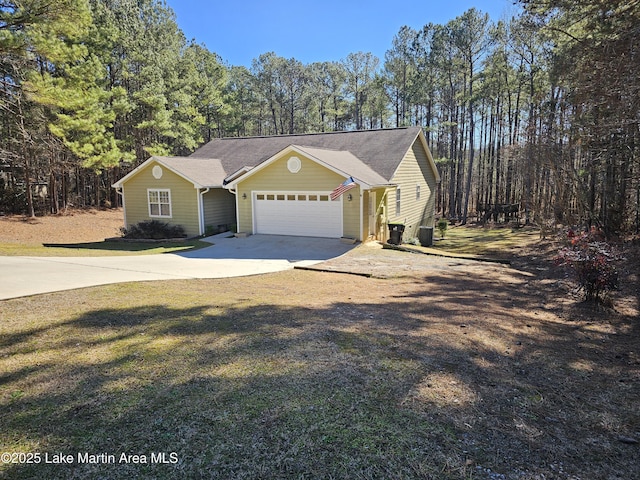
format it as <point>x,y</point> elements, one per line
<point>307,214</point>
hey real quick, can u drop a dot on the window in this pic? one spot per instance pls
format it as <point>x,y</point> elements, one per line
<point>397,201</point>
<point>159,203</point>
<point>417,192</point>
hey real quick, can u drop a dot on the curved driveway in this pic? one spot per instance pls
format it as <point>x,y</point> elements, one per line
<point>228,257</point>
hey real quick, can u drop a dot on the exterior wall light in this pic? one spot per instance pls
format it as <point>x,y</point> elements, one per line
<point>244,196</point>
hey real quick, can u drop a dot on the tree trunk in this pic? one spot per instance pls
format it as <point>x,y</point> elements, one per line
<point>27,185</point>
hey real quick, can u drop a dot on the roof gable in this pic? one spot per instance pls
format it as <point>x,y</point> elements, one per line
<point>340,162</point>
<point>381,150</point>
<point>201,172</point>
<point>422,140</point>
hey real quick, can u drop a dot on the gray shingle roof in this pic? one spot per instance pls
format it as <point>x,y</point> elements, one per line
<point>203,172</point>
<point>381,150</point>
<point>346,163</point>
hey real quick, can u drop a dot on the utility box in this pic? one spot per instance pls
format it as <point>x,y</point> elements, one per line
<point>425,236</point>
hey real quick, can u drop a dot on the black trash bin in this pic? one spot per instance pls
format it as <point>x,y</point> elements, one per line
<point>425,236</point>
<point>395,233</point>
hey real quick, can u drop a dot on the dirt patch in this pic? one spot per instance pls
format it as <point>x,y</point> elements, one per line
<point>371,259</point>
<point>533,263</point>
<point>76,226</point>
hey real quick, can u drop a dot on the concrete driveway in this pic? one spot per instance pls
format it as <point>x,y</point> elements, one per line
<point>227,257</point>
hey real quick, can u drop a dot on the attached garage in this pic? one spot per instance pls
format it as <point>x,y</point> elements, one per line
<point>308,214</point>
<point>290,191</point>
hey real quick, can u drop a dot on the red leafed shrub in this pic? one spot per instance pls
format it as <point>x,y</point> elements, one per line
<point>592,261</point>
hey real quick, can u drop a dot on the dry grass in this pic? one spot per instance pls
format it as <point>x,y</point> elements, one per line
<point>75,226</point>
<point>316,375</point>
<point>487,372</point>
<point>485,240</point>
<point>78,233</point>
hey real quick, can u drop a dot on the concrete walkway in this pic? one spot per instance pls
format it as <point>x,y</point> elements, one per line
<point>227,257</point>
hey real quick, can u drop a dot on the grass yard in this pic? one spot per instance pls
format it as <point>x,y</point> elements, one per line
<point>317,375</point>
<point>479,240</point>
<point>442,370</point>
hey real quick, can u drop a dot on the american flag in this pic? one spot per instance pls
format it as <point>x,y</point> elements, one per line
<point>348,184</point>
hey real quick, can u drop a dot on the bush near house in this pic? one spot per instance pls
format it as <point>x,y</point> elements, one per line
<point>154,230</point>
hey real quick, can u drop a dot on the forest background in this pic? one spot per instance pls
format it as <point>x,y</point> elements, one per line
<point>541,110</point>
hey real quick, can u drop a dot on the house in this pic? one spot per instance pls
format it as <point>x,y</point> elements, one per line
<point>282,185</point>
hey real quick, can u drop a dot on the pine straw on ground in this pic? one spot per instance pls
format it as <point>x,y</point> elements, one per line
<point>75,226</point>
<point>490,372</point>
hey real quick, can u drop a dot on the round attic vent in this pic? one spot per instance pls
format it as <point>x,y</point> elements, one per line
<point>157,172</point>
<point>294,165</point>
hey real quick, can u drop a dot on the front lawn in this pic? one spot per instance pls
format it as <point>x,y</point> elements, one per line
<point>317,375</point>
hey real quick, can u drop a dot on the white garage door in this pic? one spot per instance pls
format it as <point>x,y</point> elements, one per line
<point>309,214</point>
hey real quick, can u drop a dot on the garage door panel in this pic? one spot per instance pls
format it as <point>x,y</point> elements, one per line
<point>309,214</point>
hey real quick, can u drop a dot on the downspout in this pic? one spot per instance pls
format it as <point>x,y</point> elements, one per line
<point>361,215</point>
<point>120,191</point>
<point>234,192</point>
<point>201,226</point>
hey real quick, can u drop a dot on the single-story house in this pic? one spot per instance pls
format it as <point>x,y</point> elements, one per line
<point>283,185</point>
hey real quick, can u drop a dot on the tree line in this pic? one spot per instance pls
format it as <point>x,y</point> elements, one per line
<point>539,110</point>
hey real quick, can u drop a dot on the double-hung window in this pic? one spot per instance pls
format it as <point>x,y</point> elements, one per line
<point>159,202</point>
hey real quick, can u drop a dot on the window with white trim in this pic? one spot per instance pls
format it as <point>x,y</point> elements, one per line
<point>397,201</point>
<point>159,202</point>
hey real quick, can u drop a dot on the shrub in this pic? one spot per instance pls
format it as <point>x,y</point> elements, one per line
<point>154,230</point>
<point>442,227</point>
<point>591,259</point>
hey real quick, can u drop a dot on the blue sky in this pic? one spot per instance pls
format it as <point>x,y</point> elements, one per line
<point>313,31</point>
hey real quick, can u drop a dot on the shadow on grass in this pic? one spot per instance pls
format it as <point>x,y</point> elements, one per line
<point>133,246</point>
<point>438,379</point>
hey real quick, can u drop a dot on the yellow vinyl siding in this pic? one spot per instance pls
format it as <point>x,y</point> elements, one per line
<point>184,199</point>
<point>219,208</point>
<point>351,213</point>
<point>311,177</point>
<point>413,171</point>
